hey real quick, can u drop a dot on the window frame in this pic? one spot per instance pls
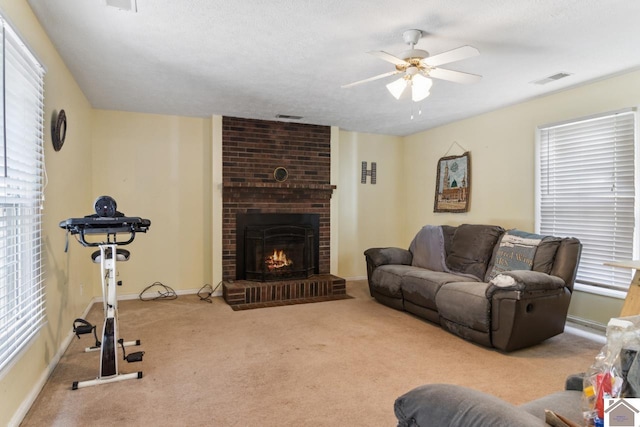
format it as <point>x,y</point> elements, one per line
<point>22,176</point>
<point>620,290</point>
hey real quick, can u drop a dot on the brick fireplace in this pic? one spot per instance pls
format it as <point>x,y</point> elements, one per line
<point>252,150</point>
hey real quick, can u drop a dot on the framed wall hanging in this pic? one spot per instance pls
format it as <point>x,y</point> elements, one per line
<point>453,184</point>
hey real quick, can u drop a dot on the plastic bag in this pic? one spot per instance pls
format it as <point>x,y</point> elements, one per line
<point>616,369</point>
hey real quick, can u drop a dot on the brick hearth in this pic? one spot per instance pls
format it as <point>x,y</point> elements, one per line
<point>245,294</point>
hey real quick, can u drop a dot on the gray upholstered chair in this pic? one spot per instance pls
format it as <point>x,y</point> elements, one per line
<point>448,405</point>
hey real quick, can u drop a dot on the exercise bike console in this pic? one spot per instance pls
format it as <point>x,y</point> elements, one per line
<point>108,222</point>
<point>110,227</point>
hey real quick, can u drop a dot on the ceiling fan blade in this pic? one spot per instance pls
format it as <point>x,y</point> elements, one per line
<point>452,55</point>
<point>370,79</point>
<point>454,76</point>
<point>388,57</point>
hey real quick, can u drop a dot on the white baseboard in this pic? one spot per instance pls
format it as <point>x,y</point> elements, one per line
<point>355,278</point>
<point>150,293</point>
<point>593,334</point>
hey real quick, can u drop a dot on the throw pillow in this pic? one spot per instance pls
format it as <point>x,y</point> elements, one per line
<point>516,251</point>
<point>472,247</point>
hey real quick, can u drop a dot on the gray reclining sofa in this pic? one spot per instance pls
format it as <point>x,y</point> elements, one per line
<point>499,288</point>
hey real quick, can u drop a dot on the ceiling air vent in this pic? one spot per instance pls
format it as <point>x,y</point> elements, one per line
<point>550,79</point>
<point>288,117</point>
<point>126,5</point>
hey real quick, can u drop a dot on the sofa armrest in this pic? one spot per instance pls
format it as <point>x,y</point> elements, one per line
<point>523,280</point>
<point>383,256</point>
<point>448,405</point>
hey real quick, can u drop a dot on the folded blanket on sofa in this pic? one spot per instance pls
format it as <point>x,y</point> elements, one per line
<point>427,248</point>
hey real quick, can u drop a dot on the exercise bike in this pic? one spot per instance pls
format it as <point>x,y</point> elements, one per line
<point>111,224</point>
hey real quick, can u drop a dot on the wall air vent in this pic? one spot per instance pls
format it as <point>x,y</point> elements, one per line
<point>126,5</point>
<point>288,117</point>
<point>552,78</point>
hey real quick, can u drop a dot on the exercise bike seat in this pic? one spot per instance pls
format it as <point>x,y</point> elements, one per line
<point>121,255</point>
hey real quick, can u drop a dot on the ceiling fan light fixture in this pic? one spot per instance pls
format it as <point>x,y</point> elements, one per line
<point>420,87</point>
<point>397,87</point>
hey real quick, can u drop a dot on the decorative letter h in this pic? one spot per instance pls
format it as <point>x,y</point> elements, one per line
<point>371,173</point>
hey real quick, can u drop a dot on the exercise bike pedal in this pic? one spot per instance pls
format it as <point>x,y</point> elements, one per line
<point>83,328</point>
<point>134,357</point>
<point>131,357</point>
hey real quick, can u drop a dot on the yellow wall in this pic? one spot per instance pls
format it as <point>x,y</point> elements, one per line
<point>67,192</point>
<point>502,146</point>
<point>158,167</point>
<point>369,215</point>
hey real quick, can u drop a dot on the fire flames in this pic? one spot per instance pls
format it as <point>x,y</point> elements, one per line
<point>277,260</point>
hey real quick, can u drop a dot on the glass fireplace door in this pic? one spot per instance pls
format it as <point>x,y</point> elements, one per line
<point>278,252</point>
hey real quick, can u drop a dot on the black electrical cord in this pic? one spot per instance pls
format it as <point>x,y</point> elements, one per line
<point>207,291</point>
<point>168,292</point>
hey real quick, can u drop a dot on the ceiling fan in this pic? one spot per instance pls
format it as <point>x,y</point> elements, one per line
<point>417,68</point>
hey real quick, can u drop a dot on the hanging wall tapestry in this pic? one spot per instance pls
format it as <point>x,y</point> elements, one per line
<point>453,184</point>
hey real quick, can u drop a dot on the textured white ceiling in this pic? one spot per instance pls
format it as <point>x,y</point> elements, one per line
<point>260,58</point>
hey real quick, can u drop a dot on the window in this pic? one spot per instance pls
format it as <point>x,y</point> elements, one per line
<point>586,189</point>
<point>21,187</point>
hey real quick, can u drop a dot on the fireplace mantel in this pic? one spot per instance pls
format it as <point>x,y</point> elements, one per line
<point>272,185</point>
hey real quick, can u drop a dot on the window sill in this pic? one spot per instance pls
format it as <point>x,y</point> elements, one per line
<point>611,293</point>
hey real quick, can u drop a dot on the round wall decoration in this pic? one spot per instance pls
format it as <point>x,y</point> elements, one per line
<point>58,129</point>
<point>280,174</point>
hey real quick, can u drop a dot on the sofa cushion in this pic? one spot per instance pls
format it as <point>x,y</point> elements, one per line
<point>448,405</point>
<point>472,248</point>
<point>447,232</point>
<point>567,403</point>
<point>387,279</point>
<point>421,286</point>
<point>546,254</point>
<point>466,304</point>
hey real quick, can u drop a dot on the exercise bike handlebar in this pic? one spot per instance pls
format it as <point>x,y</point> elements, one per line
<point>110,226</point>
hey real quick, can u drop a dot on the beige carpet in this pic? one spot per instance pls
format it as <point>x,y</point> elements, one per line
<point>337,363</point>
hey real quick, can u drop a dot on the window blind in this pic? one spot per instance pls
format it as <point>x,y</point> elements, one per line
<point>22,303</point>
<point>587,190</point>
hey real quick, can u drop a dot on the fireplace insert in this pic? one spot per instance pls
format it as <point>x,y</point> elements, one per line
<point>272,247</point>
<point>280,252</point>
